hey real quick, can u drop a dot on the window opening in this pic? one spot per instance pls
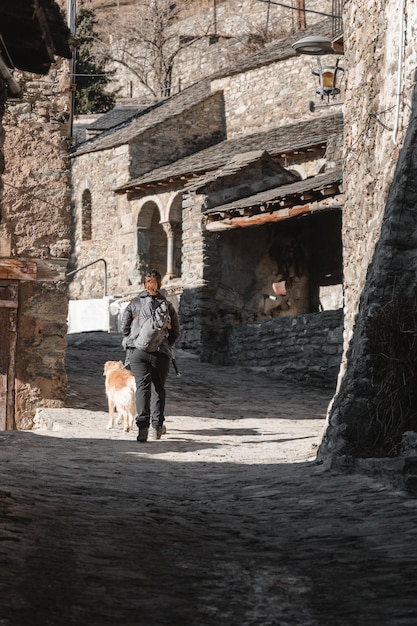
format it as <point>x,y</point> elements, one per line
<point>86,211</point>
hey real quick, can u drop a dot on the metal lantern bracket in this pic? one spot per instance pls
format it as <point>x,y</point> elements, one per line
<point>329,78</point>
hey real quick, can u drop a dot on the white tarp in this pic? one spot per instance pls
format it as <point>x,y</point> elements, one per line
<point>90,315</point>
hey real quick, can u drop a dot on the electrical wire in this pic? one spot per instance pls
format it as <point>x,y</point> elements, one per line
<point>287,6</point>
<point>375,117</point>
<point>30,194</point>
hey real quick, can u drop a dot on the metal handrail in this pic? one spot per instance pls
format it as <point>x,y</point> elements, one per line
<point>88,265</point>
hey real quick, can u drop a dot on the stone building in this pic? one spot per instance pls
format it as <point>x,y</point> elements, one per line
<point>35,216</point>
<point>232,188</point>
<point>374,413</point>
<point>204,37</point>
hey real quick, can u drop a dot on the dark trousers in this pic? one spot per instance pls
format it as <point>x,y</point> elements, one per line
<point>150,370</point>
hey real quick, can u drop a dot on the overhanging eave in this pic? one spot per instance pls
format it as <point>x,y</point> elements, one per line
<point>227,222</point>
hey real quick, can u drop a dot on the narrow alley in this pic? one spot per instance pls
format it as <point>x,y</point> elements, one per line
<point>226,521</point>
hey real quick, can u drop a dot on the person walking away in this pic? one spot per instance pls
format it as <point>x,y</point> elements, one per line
<point>150,368</point>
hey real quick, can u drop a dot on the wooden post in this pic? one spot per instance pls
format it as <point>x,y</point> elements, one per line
<point>8,333</point>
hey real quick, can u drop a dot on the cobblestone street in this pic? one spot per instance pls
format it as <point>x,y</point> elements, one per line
<point>226,521</point>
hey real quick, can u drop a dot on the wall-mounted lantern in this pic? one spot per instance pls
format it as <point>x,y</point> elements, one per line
<point>313,45</point>
<point>328,77</point>
<point>328,81</point>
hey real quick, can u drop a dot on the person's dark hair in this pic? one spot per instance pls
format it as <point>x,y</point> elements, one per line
<point>152,281</point>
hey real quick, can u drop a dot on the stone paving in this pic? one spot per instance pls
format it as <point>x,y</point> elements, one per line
<point>227,521</point>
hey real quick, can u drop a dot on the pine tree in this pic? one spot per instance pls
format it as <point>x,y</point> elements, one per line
<point>90,76</point>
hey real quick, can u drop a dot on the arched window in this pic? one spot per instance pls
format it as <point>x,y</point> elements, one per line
<point>86,215</point>
<point>175,217</point>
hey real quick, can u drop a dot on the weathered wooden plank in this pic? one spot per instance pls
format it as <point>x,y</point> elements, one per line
<point>18,269</point>
<point>8,328</point>
<point>33,269</point>
<point>3,400</point>
<point>273,216</point>
<point>6,304</point>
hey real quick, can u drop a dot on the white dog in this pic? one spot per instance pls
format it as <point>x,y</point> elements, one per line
<point>121,394</point>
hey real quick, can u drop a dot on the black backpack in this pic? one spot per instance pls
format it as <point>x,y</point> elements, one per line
<point>149,329</point>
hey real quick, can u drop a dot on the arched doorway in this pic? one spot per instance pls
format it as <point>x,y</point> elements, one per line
<point>151,239</point>
<point>175,220</point>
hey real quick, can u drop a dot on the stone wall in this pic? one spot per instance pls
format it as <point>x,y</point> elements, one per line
<point>375,124</point>
<point>306,348</point>
<point>268,96</point>
<point>35,225</point>
<point>236,29</point>
<point>3,96</point>
<point>41,379</point>
<point>36,178</point>
<point>180,135</point>
<point>99,174</point>
<point>376,398</point>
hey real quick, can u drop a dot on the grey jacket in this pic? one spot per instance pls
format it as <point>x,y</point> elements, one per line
<point>132,311</point>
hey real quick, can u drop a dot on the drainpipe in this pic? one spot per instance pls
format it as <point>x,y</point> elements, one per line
<point>72,25</point>
<point>399,71</point>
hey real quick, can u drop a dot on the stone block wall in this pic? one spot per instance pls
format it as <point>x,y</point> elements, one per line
<point>98,173</point>
<point>376,398</point>
<point>377,68</point>
<point>185,133</point>
<point>41,379</point>
<point>3,95</point>
<point>268,96</point>
<point>195,297</point>
<point>36,177</point>
<point>306,348</point>
<point>235,29</point>
<point>193,247</point>
<point>35,226</point>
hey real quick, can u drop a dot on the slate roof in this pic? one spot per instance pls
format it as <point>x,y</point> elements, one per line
<point>301,136</point>
<point>277,51</point>
<point>146,119</point>
<point>313,188</point>
<point>267,168</point>
<point>32,34</point>
<point>113,118</point>
<point>319,193</point>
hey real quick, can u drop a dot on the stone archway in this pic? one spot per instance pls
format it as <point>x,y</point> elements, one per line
<point>151,239</point>
<point>174,228</point>
<point>159,235</point>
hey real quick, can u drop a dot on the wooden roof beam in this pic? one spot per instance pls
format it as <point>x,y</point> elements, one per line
<point>214,224</point>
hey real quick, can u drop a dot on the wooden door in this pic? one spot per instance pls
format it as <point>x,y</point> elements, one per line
<point>8,331</point>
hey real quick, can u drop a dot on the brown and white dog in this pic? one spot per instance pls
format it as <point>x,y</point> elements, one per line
<point>121,394</point>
